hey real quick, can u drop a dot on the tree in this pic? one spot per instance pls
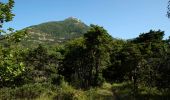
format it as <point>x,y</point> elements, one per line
<point>114,72</point>
<point>6,14</point>
<point>11,65</point>
<point>97,42</point>
<point>168,12</point>
<point>155,68</point>
<point>86,58</point>
<point>40,65</point>
<point>73,67</point>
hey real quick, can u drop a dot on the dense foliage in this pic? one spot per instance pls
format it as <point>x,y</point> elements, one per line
<point>84,68</point>
<point>5,12</point>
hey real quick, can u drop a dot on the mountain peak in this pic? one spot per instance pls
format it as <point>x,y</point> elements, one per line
<point>72,18</point>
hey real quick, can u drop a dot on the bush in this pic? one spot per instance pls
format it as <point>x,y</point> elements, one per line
<point>28,91</point>
<point>57,79</point>
<point>67,92</point>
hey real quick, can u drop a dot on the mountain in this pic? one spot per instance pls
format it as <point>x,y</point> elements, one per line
<point>55,31</point>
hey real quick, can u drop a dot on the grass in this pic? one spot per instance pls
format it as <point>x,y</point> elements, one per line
<point>46,91</point>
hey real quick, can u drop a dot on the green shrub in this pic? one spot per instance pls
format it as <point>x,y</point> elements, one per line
<point>28,91</point>
<point>57,79</point>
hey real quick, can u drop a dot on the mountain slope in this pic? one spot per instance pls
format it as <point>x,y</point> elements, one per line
<point>56,31</point>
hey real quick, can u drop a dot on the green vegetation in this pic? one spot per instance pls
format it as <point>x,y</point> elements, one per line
<point>6,12</point>
<point>55,32</point>
<point>92,66</point>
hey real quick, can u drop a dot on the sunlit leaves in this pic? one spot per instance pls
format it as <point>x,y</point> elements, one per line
<point>16,36</point>
<point>6,14</point>
<point>10,67</point>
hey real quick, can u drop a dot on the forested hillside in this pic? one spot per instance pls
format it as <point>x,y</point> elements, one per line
<point>89,64</point>
<point>58,31</point>
<point>54,32</point>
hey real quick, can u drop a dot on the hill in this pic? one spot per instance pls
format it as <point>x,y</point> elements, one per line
<point>55,31</point>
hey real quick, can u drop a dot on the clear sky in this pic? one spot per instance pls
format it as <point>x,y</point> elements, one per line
<point>121,18</point>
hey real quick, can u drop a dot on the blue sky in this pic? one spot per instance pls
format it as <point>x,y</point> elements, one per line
<point>121,18</point>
